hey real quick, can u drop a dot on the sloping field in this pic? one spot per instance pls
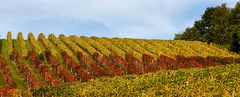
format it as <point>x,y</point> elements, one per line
<point>53,61</point>
<point>222,81</point>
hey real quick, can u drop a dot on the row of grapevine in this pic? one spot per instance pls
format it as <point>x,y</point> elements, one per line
<point>131,69</point>
<point>149,47</point>
<point>166,47</point>
<point>76,67</point>
<point>52,43</point>
<point>105,62</point>
<point>88,62</point>
<point>61,45</point>
<point>43,69</point>
<point>9,43</point>
<point>135,46</point>
<point>185,48</point>
<point>220,50</point>
<point>148,63</point>
<point>23,69</point>
<point>21,42</point>
<point>8,78</point>
<point>85,46</point>
<point>110,46</point>
<point>61,71</point>
<point>47,44</point>
<point>71,44</point>
<point>96,45</point>
<point>34,43</point>
<point>135,62</point>
<point>192,48</point>
<point>120,43</point>
<point>168,63</point>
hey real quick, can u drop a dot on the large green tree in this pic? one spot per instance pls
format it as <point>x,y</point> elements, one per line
<point>216,25</point>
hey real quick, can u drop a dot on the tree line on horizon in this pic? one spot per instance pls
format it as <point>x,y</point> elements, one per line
<point>219,25</point>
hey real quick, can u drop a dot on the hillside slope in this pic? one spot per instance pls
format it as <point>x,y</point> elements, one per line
<point>212,81</point>
<point>53,61</point>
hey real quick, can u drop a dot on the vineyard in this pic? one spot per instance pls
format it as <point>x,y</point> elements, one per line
<point>38,62</point>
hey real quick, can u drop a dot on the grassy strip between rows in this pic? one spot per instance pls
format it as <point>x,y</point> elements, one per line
<point>17,78</point>
<point>211,81</point>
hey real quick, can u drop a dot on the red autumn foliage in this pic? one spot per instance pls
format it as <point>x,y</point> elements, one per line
<point>148,63</point>
<point>34,58</point>
<point>212,61</point>
<point>117,59</point>
<point>94,67</point>
<point>63,73</point>
<point>104,61</point>
<point>33,82</point>
<point>166,62</point>
<point>76,67</point>
<point>8,78</point>
<point>49,77</point>
<point>4,92</point>
<point>194,62</point>
<point>135,63</point>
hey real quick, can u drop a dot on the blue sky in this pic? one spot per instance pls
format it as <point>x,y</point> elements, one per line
<point>151,19</point>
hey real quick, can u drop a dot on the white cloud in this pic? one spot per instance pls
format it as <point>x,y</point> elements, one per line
<point>112,18</point>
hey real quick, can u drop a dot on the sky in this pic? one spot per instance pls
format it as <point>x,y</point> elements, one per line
<point>148,19</point>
